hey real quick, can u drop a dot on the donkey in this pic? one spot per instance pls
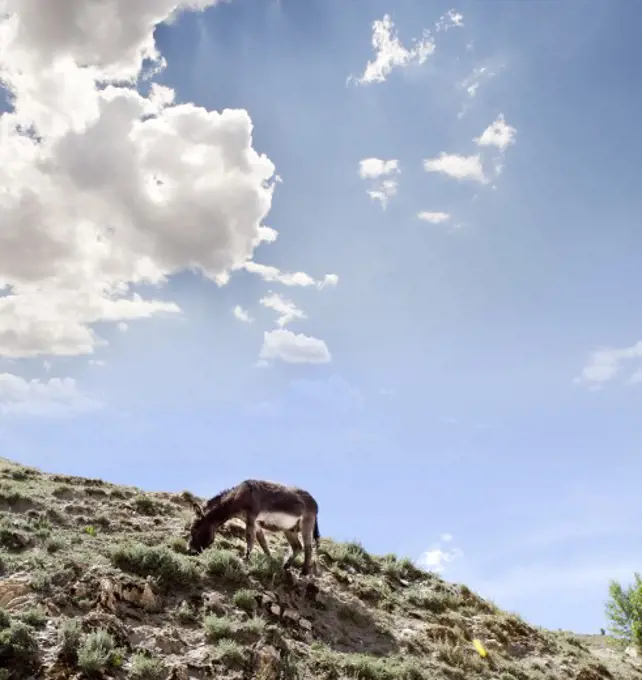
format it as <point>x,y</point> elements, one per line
<point>261,505</point>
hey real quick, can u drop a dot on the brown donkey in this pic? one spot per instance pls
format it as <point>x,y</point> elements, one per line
<point>261,505</point>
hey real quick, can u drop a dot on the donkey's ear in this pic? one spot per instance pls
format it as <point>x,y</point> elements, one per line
<point>197,509</point>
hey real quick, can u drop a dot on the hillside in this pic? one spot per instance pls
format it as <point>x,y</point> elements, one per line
<point>95,582</point>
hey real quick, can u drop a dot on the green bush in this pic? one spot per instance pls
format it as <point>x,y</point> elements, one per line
<point>218,627</point>
<point>624,611</point>
<point>18,649</point>
<point>171,570</point>
<point>145,667</point>
<point>245,599</point>
<point>97,653</point>
<point>229,653</point>
<point>225,564</point>
<point>35,617</point>
<point>69,635</point>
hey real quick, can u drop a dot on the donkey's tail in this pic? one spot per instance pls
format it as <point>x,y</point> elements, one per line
<point>316,535</point>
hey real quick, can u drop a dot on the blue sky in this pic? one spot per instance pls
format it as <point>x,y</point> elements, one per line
<point>479,372</point>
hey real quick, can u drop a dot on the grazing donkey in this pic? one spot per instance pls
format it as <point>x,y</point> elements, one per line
<point>261,505</point>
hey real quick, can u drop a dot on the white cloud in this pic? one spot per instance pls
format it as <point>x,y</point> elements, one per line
<point>373,168</point>
<point>386,190</point>
<point>498,134</point>
<point>329,280</point>
<point>383,186</point>
<point>96,176</point>
<point>438,556</point>
<point>452,19</point>
<point>54,397</point>
<point>390,53</point>
<point>433,217</point>
<point>293,348</point>
<point>604,364</point>
<point>285,308</point>
<point>242,314</point>
<point>458,167</point>
<point>274,274</point>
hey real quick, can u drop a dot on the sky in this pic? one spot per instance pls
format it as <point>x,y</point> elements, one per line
<point>385,251</point>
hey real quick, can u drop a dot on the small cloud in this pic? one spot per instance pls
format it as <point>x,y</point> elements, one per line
<point>294,348</point>
<point>54,397</point>
<point>384,187</point>
<point>274,274</point>
<point>604,364</point>
<point>438,556</point>
<point>123,327</point>
<point>328,280</point>
<point>498,134</point>
<point>433,217</point>
<point>373,168</point>
<point>242,314</point>
<point>457,167</point>
<point>390,52</point>
<point>96,362</point>
<point>286,309</point>
<point>452,19</point>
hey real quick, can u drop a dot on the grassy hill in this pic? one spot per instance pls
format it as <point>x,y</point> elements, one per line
<point>95,582</point>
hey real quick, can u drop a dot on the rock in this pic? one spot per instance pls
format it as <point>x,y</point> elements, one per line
<point>14,591</point>
<point>305,624</point>
<point>632,652</point>
<point>268,663</point>
<point>114,593</point>
<point>214,602</point>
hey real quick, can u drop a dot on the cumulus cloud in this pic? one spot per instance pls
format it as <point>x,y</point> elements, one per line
<point>106,189</point>
<point>373,168</point>
<point>498,134</point>
<point>457,167</point>
<point>433,217</point>
<point>439,555</point>
<point>384,184</point>
<point>390,52</point>
<point>54,397</point>
<point>97,177</point>
<point>286,309</point>
<point>605,364</point>
<point>293,348</point>
<point>242,314</point>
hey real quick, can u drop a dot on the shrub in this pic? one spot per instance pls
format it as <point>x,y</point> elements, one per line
<point>624,611</point>
<point>350,555</point>
<point>35,617</point>
<point>69,635</point>
<point>245,599</point>
<point>145,667</point>
<point>97,653</point>
<point>229,653</point>
<point>218,627</point>
<point>225,564</point>
<point>18,649</point>
<point>53,545</point>
<point>148,506</point>
<point>171,570</point>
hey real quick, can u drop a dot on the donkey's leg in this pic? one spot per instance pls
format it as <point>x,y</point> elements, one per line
<point>250,534</point>
<point>260,537</point>
<point>295,545</point>
<point>307,532</point>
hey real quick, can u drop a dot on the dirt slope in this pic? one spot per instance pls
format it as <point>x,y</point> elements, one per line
<point>94,582</point>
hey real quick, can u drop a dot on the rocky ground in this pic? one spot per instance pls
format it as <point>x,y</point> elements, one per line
<point>95,582</point>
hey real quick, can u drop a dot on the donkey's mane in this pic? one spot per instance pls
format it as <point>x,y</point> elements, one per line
<point>218,502</point>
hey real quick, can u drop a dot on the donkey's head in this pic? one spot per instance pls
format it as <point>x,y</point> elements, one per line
<point>202,531</point>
